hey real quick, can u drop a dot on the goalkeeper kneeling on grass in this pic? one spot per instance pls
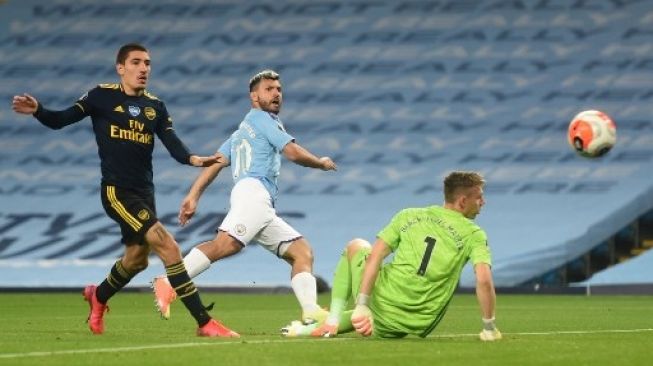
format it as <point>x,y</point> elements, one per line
<point>410,294</point>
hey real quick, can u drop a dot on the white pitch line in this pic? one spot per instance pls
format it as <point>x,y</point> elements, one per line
<point>297,340</point>
<point>555,332</point>
<point>159,346</point>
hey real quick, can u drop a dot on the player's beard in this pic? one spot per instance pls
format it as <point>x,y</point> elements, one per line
<point>271,107</point>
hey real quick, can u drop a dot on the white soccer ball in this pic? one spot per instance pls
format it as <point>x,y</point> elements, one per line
<point>592,133</point>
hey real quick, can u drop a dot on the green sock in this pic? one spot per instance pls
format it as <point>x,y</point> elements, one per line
<point>342,279</point>
<point>341,290</point>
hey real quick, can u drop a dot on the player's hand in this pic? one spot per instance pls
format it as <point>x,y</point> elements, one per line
<point>204,161</point>
<point>187,210</point>
<point>490,332</point>
<point>328,164</point>
<point>24,104</point>
<point>362,320</point>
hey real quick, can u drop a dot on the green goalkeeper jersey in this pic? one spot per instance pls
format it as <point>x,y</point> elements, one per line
<point>431,245</point>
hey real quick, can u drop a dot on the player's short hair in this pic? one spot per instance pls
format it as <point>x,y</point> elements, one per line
<point>124,51</point>
<point>265,74</point>
<point>459,182</point>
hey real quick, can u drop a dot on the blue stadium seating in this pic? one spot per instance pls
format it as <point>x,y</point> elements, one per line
<point>398,92</point>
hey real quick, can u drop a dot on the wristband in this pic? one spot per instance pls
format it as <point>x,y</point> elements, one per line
<point>362,299</point>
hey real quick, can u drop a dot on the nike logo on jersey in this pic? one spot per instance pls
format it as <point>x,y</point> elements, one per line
<point>119,109</point>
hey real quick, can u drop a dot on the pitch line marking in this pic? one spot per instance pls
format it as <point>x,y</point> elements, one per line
<point>557,332</point>
<point>157,346</point>
<point>286,340</point>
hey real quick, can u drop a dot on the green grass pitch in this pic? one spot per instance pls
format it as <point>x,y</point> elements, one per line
<point>50,329</point>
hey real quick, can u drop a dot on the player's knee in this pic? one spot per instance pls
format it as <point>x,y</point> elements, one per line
<point>308,255</point>
<point>299,251</point>
<point>355,245</point>
<point>222,246</point>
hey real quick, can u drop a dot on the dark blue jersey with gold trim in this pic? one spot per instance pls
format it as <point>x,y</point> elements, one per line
<point>124,129</point>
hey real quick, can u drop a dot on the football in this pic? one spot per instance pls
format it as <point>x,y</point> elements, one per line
<point>592,133</point>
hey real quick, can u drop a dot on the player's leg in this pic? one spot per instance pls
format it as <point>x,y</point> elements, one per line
<point>124,207</point>
<point>164,245</point>
<point>299,255</point>
<point>285,242</point>
<point>346,282</point>
<point>133,261</point>
<point>122,271</point>
<point>248,214</point>
<point>198,260</point>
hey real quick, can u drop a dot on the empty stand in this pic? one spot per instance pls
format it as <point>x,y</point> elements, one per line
<point>399,93</point>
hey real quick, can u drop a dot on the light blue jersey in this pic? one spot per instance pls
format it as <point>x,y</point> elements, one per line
<point>254,149</point>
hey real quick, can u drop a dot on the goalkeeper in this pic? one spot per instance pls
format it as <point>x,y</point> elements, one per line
<point>410,294</point>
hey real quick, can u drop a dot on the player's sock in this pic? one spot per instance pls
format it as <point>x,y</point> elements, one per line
<point>341,290</point>
<point>342,279</point>
<point>305,288</point>
<point>117,279</point>
<point>187,292</point>
<point>196,262</point>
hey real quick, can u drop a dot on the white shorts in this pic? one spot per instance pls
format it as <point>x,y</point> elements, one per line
<point>252,217</point>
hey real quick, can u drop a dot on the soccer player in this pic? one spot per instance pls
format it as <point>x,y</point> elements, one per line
<point>125,118</point>
<point>411,293</point>
<point>254,152</point>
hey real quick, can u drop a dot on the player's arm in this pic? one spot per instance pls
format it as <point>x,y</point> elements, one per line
<point>176,147</point>
<point>299,155</point>
<point>27,104</point>
<point>380,250</point>
<point>487,301</point>
<point>206,177</point>
<point>485,290</point>
<point>361,318</point>
<point>180,152</point>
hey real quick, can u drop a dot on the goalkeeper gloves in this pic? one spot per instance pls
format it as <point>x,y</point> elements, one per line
<point>362,318</point>
<point>490,331</point>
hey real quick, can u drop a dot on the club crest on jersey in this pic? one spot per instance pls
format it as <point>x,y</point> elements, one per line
<point>240,229</point>
<point>149,112</point>
<point>143,214</point>
<point>134,111</point>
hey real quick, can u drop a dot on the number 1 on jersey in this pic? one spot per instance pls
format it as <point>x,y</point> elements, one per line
<point>430,246</point>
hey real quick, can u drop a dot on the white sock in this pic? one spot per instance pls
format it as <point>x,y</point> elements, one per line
<point>196,262</point>
<point>305,288</point>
